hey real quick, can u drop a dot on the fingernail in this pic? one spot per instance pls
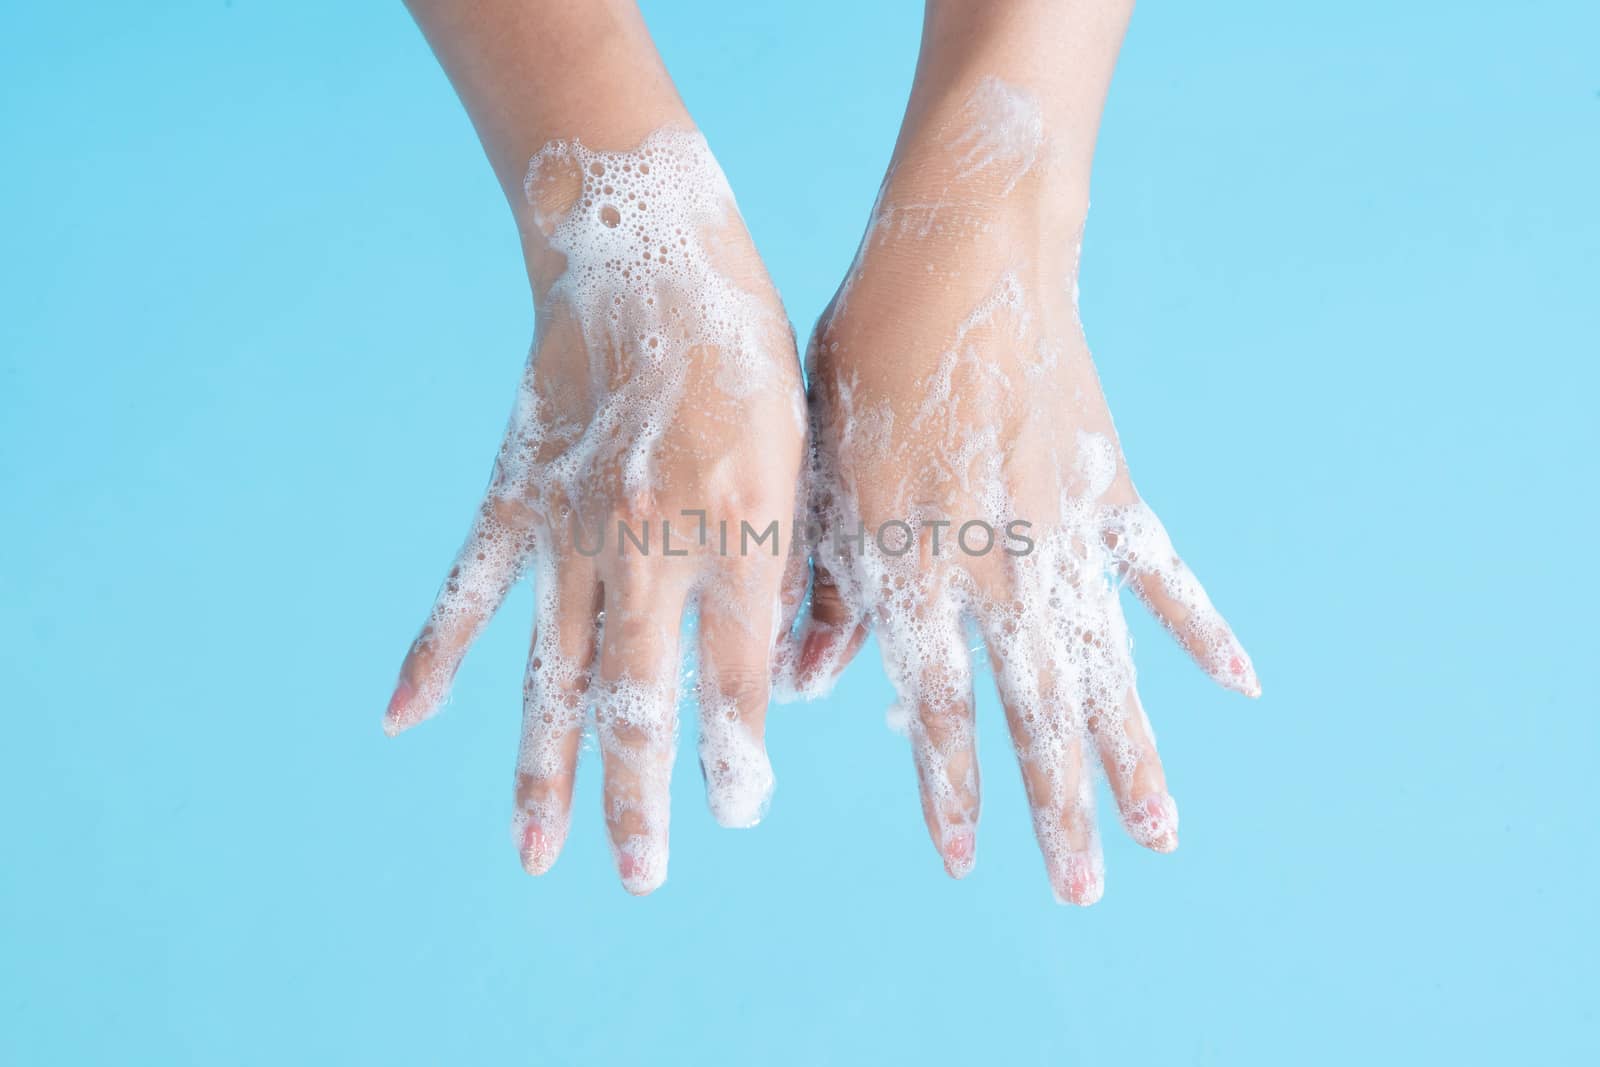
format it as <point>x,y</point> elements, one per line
<point>403,692</point>
<point>1164,823</point>
<point>535,849</point>
<point>1236,671</point>
<point>1241,674</point>
<point>1078,880</point>
<point>642,870</point>
<point>1154,823</point>
<point>960,854</point>
<point>1247,676</point>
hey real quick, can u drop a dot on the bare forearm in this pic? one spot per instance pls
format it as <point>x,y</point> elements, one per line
<point>530,71</point>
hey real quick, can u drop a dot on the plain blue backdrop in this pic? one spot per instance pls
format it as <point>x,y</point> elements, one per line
<point>263,312</point>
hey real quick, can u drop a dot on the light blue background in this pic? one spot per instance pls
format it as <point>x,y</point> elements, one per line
<point>262,316</point>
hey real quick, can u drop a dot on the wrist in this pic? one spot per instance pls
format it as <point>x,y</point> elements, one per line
<point>1009,96</point>
<point>981,169</point>
<point>532,73</point>
<point>985,161</point>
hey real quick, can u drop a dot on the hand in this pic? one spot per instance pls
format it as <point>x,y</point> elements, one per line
<point>959,422</point>
<point>661,350</point>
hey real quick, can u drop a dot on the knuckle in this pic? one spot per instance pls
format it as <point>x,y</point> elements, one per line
<point>943,715</point>
<point>744,685</point>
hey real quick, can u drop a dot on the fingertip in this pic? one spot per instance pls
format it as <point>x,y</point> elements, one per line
<point>734,766</point>
<point>410,706</point>
<point>960,854</point>
<point>1236,672</point>
<point>1153,823</point>
<point>740,803</point>
<point>398,722</point>
<point>394,721</point>
<point>642,866</point>
<point>1247,686</point>
<point>1078,880</point>
<point>1084,897</point>
<point>537,845</point>
<point>1252,685</point>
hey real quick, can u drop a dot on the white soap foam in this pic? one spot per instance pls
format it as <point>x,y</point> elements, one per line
<point>1000,131</point>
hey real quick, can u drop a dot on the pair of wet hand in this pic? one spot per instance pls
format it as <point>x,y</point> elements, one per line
<point>954,469</point>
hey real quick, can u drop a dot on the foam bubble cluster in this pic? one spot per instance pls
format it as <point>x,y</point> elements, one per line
<point>739,779</point>
<point>644,271</point>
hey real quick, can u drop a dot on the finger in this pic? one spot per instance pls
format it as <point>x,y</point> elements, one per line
<point>1128,752</point>
<point>928,661</point>
<point>833,632</point>
<point>736,640</point>
<point>1039,689</point>
<point>1140,545</point>
<point>553,703</point>
<point>635,706</point>
<point>485,570</point>
<point>835,626</point>
<point>1098,639</point>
